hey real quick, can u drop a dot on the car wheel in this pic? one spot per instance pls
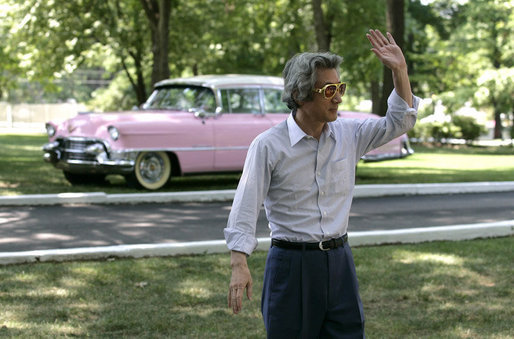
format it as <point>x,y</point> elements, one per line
<point>84,179</point>
<point>152,169</point>
<point>405,150</point>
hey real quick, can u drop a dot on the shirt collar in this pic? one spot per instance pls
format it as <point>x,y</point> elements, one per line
<point>296,133</point>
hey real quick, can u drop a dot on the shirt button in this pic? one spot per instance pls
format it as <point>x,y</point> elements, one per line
<point>318,173</point>
<point>322,193</point>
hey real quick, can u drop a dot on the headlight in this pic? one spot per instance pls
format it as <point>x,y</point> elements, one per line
<point>113,131</point>
<point>50,130</point>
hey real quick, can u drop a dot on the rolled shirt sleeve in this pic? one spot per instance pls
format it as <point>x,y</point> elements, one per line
<point>250,193</point>
<point>399,119</point>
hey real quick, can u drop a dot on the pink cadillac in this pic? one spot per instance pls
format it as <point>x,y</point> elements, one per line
<point>187,125</point>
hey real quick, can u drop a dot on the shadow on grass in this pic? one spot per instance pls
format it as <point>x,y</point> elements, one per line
<point>148,298</point>
<point>437,290</point>
<point>441,289</point>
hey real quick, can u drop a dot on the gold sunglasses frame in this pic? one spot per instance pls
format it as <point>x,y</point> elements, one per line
<point>322,90</point>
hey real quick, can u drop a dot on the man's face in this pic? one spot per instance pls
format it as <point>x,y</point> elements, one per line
<point>321,109</point>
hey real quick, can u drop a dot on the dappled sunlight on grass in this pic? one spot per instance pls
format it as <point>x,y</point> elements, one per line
<point>425,290</point>
<point>407,257</point>
<point>436,290</point>
<point>426,167</point>
<point>194,289</point>
<point>51,292</point>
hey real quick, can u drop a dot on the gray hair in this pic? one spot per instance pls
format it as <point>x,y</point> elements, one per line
<point>300,75</point>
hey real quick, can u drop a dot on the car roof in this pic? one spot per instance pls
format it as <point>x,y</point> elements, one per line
<point>226,80</point>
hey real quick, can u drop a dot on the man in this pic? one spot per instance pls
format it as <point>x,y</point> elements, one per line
<point>303,170</point>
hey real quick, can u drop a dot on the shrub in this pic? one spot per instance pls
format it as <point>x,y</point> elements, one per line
<point>469,128</point>
<point>442,130</point>
<point>460,127</point>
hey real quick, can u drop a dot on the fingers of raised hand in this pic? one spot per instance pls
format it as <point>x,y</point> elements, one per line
<point>378,40</point>
<point>391,39</point>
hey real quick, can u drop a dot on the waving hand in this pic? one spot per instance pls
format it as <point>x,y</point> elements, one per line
<point>391,55</point>
<point>386,49</point>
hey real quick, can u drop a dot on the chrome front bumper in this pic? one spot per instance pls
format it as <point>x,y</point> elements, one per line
<point>88,156</point>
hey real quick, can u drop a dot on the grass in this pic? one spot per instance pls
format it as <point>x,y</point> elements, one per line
<point>22,170</point>
<point>430,165</point>
<point>430,290</point>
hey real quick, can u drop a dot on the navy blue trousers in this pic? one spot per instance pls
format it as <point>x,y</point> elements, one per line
<point>311,294</point>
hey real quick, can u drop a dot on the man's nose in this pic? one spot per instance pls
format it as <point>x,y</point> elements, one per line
<point>337,98</point>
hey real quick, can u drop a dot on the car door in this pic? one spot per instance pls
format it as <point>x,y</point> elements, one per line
<point>177,128</point>
<point>242,119</point>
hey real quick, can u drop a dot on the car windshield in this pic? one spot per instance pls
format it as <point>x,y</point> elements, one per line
<point>182,97</point>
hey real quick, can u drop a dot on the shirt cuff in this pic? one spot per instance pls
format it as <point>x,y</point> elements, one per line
<point>241,242</point>
<point>396,103</point>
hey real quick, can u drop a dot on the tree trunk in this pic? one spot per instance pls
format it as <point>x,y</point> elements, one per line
<point>375,96</point>
<point>512,126</point>
<point>158,13</point>
<point>496,59</point>
<point>138,85</point>
<point>395,19</point>
<point>323,34</point>
<point>140,82</point>
<point>498,128</point>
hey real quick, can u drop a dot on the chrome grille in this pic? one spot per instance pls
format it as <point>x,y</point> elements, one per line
<point>74,149</point>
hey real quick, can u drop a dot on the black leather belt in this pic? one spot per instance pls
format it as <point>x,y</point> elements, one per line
<point>322,245</point>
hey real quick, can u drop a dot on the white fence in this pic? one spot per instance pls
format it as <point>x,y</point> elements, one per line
<point>34,116</point>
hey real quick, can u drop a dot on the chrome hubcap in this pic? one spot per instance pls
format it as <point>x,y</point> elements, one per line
<point>151,167</point>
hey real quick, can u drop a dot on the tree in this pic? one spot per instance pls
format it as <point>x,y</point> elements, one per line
<point>238,36</point>
<point>395,22</point>
<point>9,63</point>
<point>127,40</point>
<point>57,35</point>
<point>464,52</point>
<point>491,30</point>
<point>323,25</point>
<point>158,13</point>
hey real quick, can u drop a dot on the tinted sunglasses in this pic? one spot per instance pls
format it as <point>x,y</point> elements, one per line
<point>330,90</point>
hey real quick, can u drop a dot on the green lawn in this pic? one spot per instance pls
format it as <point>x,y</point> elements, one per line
<point>431,290</point>
<point>429,165</point>
<point>22,170</point>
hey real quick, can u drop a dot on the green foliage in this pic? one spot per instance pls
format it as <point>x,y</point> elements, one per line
<point>463,51</point>
<point>441,130</point>
<point>457,51</point>
<point>469,129</point>
<point>117,96</point>
<point>460,127</point>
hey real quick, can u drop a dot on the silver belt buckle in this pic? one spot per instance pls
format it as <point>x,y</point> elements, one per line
<point>321,246</point>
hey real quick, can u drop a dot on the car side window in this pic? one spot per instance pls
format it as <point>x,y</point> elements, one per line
<point>273,101</point>
<point>182,97</point>
<point>240,100</point>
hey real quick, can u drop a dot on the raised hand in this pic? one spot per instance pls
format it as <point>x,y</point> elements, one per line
<point>386,49</point>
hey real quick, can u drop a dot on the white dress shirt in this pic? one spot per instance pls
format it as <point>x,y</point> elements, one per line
<point>307,185</point>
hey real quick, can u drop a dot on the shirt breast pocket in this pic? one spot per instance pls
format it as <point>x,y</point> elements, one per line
<point>340,175</point>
